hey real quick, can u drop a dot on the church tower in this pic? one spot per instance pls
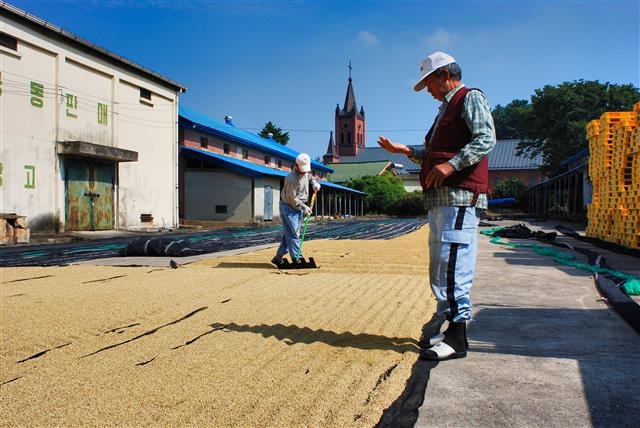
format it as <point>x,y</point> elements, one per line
<point>350,124</point>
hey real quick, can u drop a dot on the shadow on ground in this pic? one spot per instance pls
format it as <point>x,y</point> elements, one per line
<point>605,349</point>
<point>404,411</point>
<point>292,334</point>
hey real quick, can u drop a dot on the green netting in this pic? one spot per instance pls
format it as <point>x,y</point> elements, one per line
<point>631,285</point>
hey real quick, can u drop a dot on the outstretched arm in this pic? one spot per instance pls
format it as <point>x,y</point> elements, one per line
<point>392,147</point>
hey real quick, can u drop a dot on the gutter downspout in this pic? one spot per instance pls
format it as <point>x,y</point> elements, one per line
<point>176,165</point>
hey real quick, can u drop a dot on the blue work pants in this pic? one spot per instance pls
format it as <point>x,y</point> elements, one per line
<point>291,221</point>
<point>453,249</point>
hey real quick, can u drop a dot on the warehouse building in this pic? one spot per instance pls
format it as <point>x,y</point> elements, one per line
<point>88,139</point>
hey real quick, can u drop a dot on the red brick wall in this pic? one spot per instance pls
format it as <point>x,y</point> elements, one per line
<point>528,177</point>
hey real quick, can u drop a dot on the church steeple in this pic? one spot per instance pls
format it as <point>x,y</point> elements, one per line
<point>350,105</point>
<point>332,154</point>
<point>350,125</point>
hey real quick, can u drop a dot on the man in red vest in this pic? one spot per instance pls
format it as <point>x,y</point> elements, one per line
<point>455,181</point>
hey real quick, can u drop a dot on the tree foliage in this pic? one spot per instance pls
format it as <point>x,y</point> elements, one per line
<point>382,192</point>
<point>278,135</point>
<point>511,188</point>
<point>554,123</point>
<point>508,119</point>
<point>411,204</point>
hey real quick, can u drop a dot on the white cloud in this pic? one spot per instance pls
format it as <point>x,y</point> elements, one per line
<point>367,38</point>
<point>441,39</point>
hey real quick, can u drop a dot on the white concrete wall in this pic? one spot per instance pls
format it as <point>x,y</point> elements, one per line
<point>28,110</point>
<point>206,189</point>
<point>73,85</point>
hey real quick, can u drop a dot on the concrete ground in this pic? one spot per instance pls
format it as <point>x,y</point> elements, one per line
<point>545,349</point>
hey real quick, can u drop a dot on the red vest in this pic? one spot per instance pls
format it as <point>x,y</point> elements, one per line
<point>451,135</point>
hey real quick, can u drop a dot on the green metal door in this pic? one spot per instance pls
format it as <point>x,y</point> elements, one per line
<point>89,194</point>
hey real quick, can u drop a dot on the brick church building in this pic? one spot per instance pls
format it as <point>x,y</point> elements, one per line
<point>350,129</point>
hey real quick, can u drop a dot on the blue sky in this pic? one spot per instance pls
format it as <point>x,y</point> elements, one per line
<point>286,61</point>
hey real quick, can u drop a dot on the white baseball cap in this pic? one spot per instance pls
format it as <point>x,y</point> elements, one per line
<point>304,162</point>
<point>431,64</point>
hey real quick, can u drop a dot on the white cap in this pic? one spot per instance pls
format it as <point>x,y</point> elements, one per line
<point>304,162</point>
<point>431,64</point>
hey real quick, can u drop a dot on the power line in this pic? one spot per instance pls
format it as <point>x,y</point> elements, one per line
<point>328,130</point>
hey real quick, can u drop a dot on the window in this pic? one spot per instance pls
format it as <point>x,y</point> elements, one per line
<point>145,94</point>
<point>267,160</point>
<point>245,153</point>
<point>279,163</point>
<point>145,97</point>
<point>8,42</point>
<point>221,209</point>
<point>226,148</point>
<point>204,142</point>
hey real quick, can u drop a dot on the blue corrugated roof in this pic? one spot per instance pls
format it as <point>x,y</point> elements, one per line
<point>191,118</point>
<point>248,168</point>
<point>236,165</point>
<point>339,187</point>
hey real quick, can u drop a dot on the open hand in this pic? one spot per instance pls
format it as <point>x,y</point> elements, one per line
<point>390,146</point>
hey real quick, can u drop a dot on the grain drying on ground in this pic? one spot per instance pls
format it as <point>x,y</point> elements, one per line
<point>227,341</point>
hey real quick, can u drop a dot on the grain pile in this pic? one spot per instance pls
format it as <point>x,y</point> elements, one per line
<point>227,341</point>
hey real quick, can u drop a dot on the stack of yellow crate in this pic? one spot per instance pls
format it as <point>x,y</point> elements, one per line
<point>614,169</point>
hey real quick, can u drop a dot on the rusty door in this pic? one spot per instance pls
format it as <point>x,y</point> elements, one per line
<point>89,194</point>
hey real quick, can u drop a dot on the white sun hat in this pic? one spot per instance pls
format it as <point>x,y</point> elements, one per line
<point>304,162</point>
<point>431,64</point>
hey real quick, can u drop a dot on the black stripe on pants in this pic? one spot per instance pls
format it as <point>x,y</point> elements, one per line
<point>451,267</point>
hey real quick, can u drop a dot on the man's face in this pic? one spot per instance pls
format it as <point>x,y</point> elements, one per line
<point>437,86</point>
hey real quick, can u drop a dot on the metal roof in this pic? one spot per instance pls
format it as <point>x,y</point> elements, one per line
<point>50,30</point>
<point>503,156</point>
<point>192,119</point>
<point>236,165</point>
<point>378,154</point>
<point>331,185</point>
<point>344,171</point>
<point>250,169</point>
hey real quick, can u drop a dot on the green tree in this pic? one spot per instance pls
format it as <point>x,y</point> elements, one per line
<point>555,125</point>
<point>276,131</point>
<point>511,188</point>
<point>411,204</point>
<point>383,191</point>
<point>508,119</point>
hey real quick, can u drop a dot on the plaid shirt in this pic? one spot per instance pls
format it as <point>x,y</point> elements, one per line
<point>477,115</point>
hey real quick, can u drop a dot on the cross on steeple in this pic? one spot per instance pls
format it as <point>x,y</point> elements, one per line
<point>350,68</point>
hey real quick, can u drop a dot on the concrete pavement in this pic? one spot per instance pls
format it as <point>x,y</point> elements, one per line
<point>545,351</point>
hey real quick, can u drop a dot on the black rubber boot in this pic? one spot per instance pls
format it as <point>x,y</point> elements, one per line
<point>432,332</point>
<point>453,346</point>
